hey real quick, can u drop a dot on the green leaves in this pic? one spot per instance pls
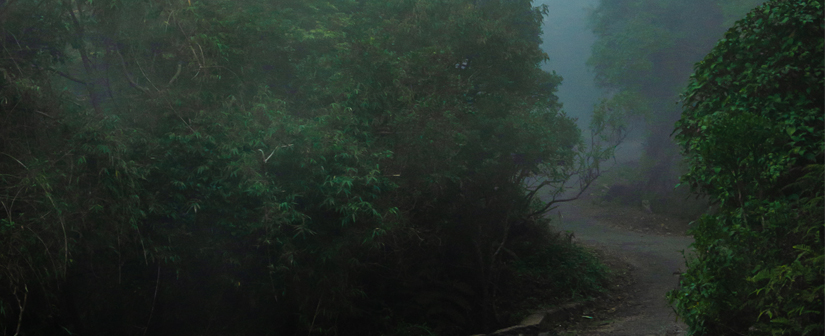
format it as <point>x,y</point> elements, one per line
<point>751,130</point>
<point>306,155</point>
<point>642,56</point>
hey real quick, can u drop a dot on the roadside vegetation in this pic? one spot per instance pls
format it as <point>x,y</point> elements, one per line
<point>281,167</point>
<point>752,134</point>
<point>643,55</point>
<point>750,131</point>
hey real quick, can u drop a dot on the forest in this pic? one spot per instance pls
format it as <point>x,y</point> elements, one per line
<point>366,167</point>
<point>258,167</point>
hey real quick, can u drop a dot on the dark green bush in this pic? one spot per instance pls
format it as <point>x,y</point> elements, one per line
<point>752,131</point>
<point>270,167</point>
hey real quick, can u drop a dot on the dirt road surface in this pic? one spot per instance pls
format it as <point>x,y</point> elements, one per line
<point>643,249</point>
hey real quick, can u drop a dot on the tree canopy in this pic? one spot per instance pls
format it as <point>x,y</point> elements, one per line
<point>259,167</point>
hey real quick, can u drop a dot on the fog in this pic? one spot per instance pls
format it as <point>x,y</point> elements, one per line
<point>568,40</point>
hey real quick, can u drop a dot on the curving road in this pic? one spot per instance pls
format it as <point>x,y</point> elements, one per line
<point>653,258</point>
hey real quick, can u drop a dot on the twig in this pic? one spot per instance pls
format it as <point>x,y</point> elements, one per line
<point>67,76</point>
<point>175,77</point>
<point>504,236</point>
<point>18,161</point>
<point>65,237</point>
<point>203,57</point>
<point>312,325</point>
<point>43,113</point>
<point>22,308</point>
<point>154,298</point>
<point>145,260</point>
<point>167,19</point>
<point>126,73</point>
<point>200,64</point>
<point>267,157</point>
<point>10,55</point>
<point>145,76</point>
<point>54,265</point>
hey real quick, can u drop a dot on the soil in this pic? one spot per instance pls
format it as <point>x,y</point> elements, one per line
<point>644,251</point>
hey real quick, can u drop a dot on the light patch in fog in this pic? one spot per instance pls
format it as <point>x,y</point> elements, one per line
<point>567,40</point>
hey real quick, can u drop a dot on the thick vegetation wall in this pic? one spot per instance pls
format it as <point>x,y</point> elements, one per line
<point>752,132</point>
<point>276,167</point>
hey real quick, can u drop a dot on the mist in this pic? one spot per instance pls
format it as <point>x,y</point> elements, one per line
<point>407,167</point>
<point>567,41</point>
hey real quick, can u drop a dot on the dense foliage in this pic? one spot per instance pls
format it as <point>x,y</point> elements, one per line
<point>643,53</point>
<point>275,167</point>
<point>753,135</point>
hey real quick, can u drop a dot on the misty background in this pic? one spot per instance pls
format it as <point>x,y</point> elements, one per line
<point>568,39</point>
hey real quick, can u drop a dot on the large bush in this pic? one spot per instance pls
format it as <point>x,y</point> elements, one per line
<point>272,167</point>
<point>752,131</point>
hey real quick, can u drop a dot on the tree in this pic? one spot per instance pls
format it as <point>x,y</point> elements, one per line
<point>643,53</point>
<point>249,166</point>
<point>752,133</point>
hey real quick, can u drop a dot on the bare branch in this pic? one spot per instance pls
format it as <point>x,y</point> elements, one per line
<point>129,78</point>
<point>44,114</point>
<point>175,77</point>
<point>67,76</point>
<point>22,308</point>
<point>15,159</point>
<point>154,298</point>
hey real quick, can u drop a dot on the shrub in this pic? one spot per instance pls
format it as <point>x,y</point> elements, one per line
<point>752,131</point>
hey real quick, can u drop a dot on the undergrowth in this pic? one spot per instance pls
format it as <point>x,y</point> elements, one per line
<point>556,272</point>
